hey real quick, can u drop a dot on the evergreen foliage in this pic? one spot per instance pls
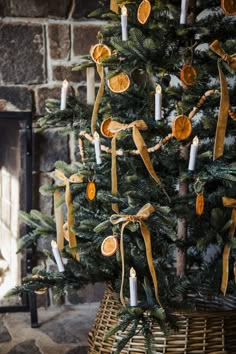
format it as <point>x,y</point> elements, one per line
<point>154,54</point>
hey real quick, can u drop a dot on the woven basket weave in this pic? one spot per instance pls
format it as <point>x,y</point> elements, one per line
<point>199,333</point>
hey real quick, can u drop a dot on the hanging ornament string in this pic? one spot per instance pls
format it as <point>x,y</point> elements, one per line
<point>142,215</point>
<point>68,199</point>
<point>224,101</point>
<point>228,203</point>
<point>137,125</point>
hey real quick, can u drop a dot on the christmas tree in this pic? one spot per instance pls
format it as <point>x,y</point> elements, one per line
<point>151,196</point>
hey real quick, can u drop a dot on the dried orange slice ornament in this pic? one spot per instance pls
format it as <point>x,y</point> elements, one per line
<point>188,75</point>
<point>99,52</point>
<point>105,128</point>
<point>229,7</point>
<point>181,127</point>
<point>109,246</point>
<point>199,204</point>
<point>144,11</point>
<point>119,83</point>
<point>42,290</point>
<point>91,191</point>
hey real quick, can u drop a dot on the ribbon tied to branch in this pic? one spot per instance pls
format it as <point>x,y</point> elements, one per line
<point>116,127</point>
<point>114,6</point>
<point>140,217</point>
<point>70,218</point>
<point>228,203</point>
<point>224,100</point>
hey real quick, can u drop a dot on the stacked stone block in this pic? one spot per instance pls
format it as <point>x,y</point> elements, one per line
<point>40,42</point>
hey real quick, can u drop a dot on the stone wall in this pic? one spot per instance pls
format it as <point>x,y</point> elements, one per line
<point>40,41</point>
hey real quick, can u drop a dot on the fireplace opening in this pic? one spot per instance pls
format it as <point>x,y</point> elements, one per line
<point>15,195</point>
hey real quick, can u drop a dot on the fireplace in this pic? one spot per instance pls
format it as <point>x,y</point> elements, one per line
<point>15,195</point>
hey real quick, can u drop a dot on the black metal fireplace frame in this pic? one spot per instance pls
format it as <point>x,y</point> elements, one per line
<point>28,301</point>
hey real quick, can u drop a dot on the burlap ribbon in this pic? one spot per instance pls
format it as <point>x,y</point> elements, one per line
<point>70,218</point>
<point>100,71</point>
<point>137,125</point>
<point>229,203</point>
<point>142,215</point>
<point>114,6</point>
<point>224,101</point>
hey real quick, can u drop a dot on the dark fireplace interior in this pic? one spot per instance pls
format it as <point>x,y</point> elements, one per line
<point>15,195</point>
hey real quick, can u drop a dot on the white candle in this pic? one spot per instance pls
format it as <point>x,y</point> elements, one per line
<point>184,10</point>
<point>158,103</point>
<point>97,147</point>
<point>193,154</point>
<point>57,256</point>
<point>64,90</point>
<point>133,287</point>
<point>90,85</point>
<point>124,23</point>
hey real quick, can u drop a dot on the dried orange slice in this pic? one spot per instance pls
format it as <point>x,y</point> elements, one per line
<point>199,204</point>
<point>181,127</point>
<point>105,128</point>
<point>188,75</point>
<point>109,246</point>
<point>119,83</point>
<point>91,190</point>
<point>229,7</point>
<point>99,52</point>
<point>144,11</point>
<point>42,290</point>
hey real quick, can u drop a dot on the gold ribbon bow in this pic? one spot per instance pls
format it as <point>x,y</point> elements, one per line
<point>228,203</point>
<point>116,127</point>
<point>114,6</point>
<point>70,218</point>
<point>224,100</point>
<point>100,71</point>
<point>142,215</point>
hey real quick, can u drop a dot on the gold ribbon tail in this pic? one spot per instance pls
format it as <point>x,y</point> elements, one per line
<point>114,6</point>
<point>114,174</point>
<point>222,117</point>
<point>230,203</point>
<point>137,125</point>
<point>70,218</point>
<point>147,240</point>
<point>142,148</point>
<point>143,214</point>
<point>58,212</point>
<point>122,254</point>
<point>100,71</point>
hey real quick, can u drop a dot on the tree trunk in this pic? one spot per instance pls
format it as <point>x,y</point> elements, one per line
<point>182,225</point>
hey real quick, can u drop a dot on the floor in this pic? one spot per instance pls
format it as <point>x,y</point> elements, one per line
<point>63,330</point>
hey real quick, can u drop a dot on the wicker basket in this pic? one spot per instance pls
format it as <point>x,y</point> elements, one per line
<point>199,333</point>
